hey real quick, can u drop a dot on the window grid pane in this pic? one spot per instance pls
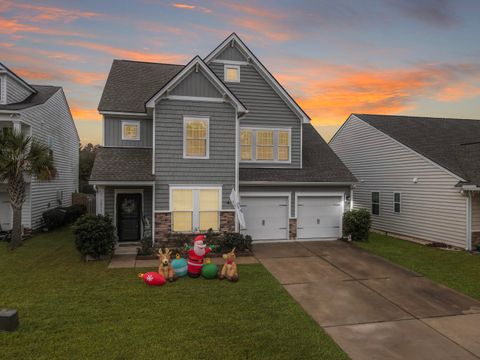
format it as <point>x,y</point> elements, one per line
<point>196,147</point>
<point>182,200</point>
<point>182,221</point>
<point>283,154</point>
<point>209,200</point>
<point>232,74</point>
<point>283,138</point>
<point>130,131</point>
<point>264,138</point>
<point>246,152</point>
<point>208,220</point>
<point>196,134</point>
<point>264,152</point>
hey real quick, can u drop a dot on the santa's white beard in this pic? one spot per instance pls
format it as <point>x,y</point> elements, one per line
<point>199,251</point>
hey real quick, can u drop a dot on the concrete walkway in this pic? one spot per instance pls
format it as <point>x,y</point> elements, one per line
<point>372,308</point>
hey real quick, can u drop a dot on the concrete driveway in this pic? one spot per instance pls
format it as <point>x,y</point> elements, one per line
<point>372,308</point>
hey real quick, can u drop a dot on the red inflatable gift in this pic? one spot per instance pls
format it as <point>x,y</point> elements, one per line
<point>153,278</point>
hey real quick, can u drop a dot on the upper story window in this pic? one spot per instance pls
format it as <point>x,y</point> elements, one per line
<point>375,203</point>
<point>232,73</point>
<point>131,130</point>
<point>195,137</point>
<point>397,197</point>
<point>269,145</point>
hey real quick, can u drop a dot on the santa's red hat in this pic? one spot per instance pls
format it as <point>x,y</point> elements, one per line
<point>199,238</point>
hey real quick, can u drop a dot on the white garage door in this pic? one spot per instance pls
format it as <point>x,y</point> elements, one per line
<point>319,217</point>
<point>266,218</point>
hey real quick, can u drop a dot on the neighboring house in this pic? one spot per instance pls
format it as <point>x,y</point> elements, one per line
<point>179,138</point>
<point>42,112</point>
<point>418,176</point>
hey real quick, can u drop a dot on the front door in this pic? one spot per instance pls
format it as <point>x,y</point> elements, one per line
<point>129,212</point>
<point>5,212</point>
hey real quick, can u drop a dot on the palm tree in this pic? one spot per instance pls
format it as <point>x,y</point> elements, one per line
<point>21,156</point>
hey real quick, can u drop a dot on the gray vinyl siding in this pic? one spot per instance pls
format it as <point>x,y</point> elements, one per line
<point>16,92</point>
<point>113,132</point>
<point>109,200</point>
<point>265,108</point>
<point>170,166</point>
<point>475,213</point>
<point>196,84</point>
<point>432,209</point>
<point>231,53</point>
<point>53,119</point>
<point>296,189</point>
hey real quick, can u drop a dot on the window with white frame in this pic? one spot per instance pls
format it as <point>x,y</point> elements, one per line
<point>131,130</point>
<point>195,137</point>
<point>51,142</point>
<point>269,145</point>
<point>397,198</point>
<point>195,209</point>
<point>232,73</point>
<point>375,203</point>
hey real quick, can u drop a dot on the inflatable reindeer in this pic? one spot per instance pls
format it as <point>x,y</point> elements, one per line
<point>229,269</point>
<point>165,267</point>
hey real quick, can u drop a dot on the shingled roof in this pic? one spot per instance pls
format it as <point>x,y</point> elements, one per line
<point>131,84</point>
<point>320,164</point>
<point>454,144</point>
<point>122,164</point>
<point>44,92</point>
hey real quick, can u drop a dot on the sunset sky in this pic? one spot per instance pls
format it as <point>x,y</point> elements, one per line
<point>417,57</point>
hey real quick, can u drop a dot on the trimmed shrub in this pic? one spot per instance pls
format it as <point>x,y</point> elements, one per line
<point>356,224</point>
<point>94,235</point>
<point>54,218</point>
<point>74,212</point>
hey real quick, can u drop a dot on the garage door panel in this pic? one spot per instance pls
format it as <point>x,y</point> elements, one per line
<point>266,218</point>
<point>319,217</point>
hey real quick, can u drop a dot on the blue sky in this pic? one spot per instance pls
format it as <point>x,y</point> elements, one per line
<point>335,57</point>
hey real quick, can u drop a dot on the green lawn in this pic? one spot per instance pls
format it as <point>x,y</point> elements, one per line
<point>75,310</point>
<point>458,270</point>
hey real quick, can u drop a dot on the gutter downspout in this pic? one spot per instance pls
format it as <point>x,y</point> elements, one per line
<point>469,221</point>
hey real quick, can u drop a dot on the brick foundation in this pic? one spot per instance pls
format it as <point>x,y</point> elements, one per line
<point>163,226</point>
<point>475,239</point>
<point>292,229</point>
<point>227,221</point>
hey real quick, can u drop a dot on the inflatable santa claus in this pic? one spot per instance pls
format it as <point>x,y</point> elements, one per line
<point>196,255</point>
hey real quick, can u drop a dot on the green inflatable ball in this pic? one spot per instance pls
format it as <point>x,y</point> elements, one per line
<point>209,271</point>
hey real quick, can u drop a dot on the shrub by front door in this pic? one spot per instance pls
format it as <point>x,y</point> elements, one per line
<point>129,211</point>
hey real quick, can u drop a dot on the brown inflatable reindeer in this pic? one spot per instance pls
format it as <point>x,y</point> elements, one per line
<point>229,269</point>
<point>165,267</point>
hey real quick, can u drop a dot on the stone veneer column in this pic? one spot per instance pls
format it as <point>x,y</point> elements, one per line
<point>227,221</point>
<point>163,226</point>
<point>292,229</point>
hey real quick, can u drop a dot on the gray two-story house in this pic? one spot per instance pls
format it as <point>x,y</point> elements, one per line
<point>177,139</point>
<point>42,112</point>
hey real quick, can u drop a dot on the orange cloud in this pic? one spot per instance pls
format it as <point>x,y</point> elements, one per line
<point>191,7</point>
<point>329,93</point>
<point>129,54</point>
<point>84,114</point>
<point>184,6</point>
<point>40,13</point>
<point>13,26</point>
<point>75,76</point>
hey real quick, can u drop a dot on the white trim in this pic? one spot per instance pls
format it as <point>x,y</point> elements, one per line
<point>188,118</point>
<point>12,111</point>
<point>195,209</point>
<point>190,66</point>
<point>263,72</point>
<point>399,202</point>
<point>317,194</point>
<point>153,142</point>
<point>237,163</point>
<point>121,113</point>
<point>351,198</point>
<point>121,183</point>
<point>127,191</point>
<point>231,62</point>
<point>230,66</point>
<point>301,146</point>
<point>469,221</point>
<point>100,200</point>
<point>131,123</point>
<point>398,142</point>
<point>305,183</point>
<point>152,224</point>
<point>195,98</point>
<point>275,130</point>
<point>288,195</point>
<point>379,202</point>
<point>103,130</point>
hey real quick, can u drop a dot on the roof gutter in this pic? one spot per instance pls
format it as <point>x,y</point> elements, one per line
<point>297,183</point>
<point>120,183</point>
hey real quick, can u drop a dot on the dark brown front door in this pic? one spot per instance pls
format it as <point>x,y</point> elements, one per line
<point>129,211</point>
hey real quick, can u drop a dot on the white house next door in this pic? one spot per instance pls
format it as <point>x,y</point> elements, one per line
<point>5,212</point>
<point>319,217</point>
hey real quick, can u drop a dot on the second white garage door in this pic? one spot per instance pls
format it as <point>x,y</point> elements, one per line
<point>266,218</point>
<point>319,217</point>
